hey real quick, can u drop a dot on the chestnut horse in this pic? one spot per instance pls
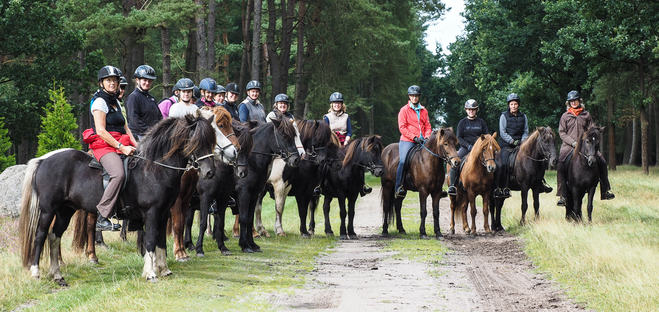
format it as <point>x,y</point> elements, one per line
<point>426,176</point>
<point>583,174</point>
<point>528,173</point>
<point>477,177</point>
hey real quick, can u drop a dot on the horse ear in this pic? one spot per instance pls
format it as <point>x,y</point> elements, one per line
<point>494,136</point>
<point>449,128</point>
<point>441,132</point>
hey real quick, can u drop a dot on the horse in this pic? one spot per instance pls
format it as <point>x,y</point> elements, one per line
<point>152,187</point>
<point>358,156</point>
<point>226,149</point>
<point>477,178</point>
<point>322,148</point>
<point>217,191</point>
<point>583,174</point>
<point>426,176</point>
<point>275,139</point>
<point>528,173</point>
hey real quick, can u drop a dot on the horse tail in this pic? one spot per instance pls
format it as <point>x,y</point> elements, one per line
<point>170,227</point>
<point>79,231</point>
<point>30,211</point>
<point>388,211</point>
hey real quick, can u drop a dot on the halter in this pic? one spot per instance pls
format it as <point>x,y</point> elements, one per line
<point>285,155</point>
<point>192,164</point>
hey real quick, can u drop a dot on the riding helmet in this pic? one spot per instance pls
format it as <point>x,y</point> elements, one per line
<point>146,72</point>
<point>123,81</point>
<point>253,85</point>
<point>208,84</point>
<point>109,71</point>
<point>281,98</point>
<point>336,97</point>
<point>414,90</point>
<point>513,97</point>
<point>233,88</point>
<point>471,104</point>
<point>573,95</point>
<point>184,84</point>
<point>220,89</point>
<point>196,92</point>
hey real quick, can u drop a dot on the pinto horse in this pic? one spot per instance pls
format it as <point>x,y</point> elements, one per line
<point>426,176</point>
<point>358,156</point>
<point>322,148</point>
<point>583,174</point>
<point>151,189</point>
<point>275,139</point>
<point>528,173</point>
<point>477,178</point>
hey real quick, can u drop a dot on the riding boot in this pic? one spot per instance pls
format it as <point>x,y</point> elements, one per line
<point>605,185</point>
<point>454,173</point>
<point>545,187</point>
<point>560,181</point>
<point>103,224</point>
<point>365,190</point>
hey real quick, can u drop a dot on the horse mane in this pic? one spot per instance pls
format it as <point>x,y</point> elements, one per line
<point>434,139</point>
<point>591,131</point>
<point>171,135</point>
<point>483,140</point>
<point>526,145</point>
<point>285,128</point>
<point>244,136</point>
<point>314,129</point>
<point>368,144</point>
<point>221,114</point>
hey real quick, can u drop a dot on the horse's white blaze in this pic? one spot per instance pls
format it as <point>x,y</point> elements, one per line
<point>54,244</point>
<point>298,141</point>
<point>34,271</point>
<point>227,155</point>
<point>149,264</point>
<point>161,262</point>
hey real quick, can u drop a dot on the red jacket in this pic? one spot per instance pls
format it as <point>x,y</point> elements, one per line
<point>411,126</point>
<point>100,147</point>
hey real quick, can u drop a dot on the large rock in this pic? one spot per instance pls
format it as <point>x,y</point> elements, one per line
<point>11,183</point>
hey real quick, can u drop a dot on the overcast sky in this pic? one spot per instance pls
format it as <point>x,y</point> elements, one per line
<point>444,31</point>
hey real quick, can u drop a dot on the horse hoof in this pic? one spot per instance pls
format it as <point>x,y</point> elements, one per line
<point>402,232</point>
<point>452,232</point>
<point>265,233</point>
<point>201,255</point>
<point>184,259</point>
<point>258,250</point>
<point>312,232</point>
<point>225,238</point>
<point>344,237</point>
<point>424,236</point>
<point>61,282</point>
<point>152,279</point>
<point>281,234</point>
<point>439,236</point>
<point>248,250</point>
<point>102,244</point>
<point>329,234</point>
<point>167,272</point>
<point>385,234</point>
<point>226,253</point>
<point>353,236</point>
<point>93,261</point>
<point>305,235</point>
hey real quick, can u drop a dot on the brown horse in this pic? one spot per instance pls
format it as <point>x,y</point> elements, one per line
<point>426,176</point>
<point>85,225</point>
<point>477,178</point>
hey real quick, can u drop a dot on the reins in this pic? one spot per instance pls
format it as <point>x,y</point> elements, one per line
<point>445,158</point>
<point>193,164</point>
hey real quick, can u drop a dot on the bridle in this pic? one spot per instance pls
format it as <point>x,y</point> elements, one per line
<point>445,157</point>
<point>193,163</point>
<point>544,153</point>
<point>221,149</point>
<point>285,155</point>
<point>484,161</point>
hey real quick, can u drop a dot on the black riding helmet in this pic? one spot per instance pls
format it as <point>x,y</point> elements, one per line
<point>233,88</point>
<point>109,71</point>
<point>123,81</point>
<point>414,90</point>
<point>513,97</point>
<point>146,72</point>
<point>220,89</point>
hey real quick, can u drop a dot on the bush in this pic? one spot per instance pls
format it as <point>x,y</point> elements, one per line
<point>5,144</point>
<point>57,125</point>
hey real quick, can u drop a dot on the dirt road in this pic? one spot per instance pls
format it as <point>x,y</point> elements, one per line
<point>485,273</point>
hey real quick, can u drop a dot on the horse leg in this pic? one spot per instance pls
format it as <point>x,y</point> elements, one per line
<point>258,223</point>
<point>124,227</point>
<point>302,213</point>
<point>203,224</point>
<point>536,202</point>
<point>149,243</point>
<point>250,215</point>
<point>178,219</point>
<point>525,205</point>
<point>55,244</point>
<point>453,205</point>
<point>343,214</point>
<point>386,206</point>
<point>398,205</point>
<point>161,250</point>
<point>326,211</point>
<point>351,217</point>
<point>435,214</point>
<point>312,203</point>
<point>40,238</point>
<point>464,205</point>
<point>486,213</point>
<point>218,232</point>
<point>91,245</point>
<point>591,194</point>
<point>423,198</point>
<point>498,206</point>
<point>236,227</point>
<point>187,234</point>
<point>280,201</point>
<point>474,212</point>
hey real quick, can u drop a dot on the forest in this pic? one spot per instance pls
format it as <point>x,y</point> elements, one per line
<point>369,50</point>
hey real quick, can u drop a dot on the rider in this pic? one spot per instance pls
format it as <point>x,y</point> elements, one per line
<point>469,130</point>
<point>184,104</point>
<point>112,137</point>
<point>233,91</point>
<point>337,118</point>
<point>513,130</point>
<point>281,105</point>
<point>251,108</point>
<point>220,92</point>
<point>572,125</point>
<point>415,128</point>
<point>166,104</point>
<point>142,108</point>
<point>196,94</point>
<point>207,87</point>
<point>123,84</point>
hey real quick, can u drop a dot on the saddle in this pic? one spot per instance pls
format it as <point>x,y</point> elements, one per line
<point>106,178</point>
<point>512,156</point>
<point>408,162</point>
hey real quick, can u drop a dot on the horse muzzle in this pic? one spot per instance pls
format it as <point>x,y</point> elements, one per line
<point>294,160</point>
<point>592,161</point>
<point>491,168</point>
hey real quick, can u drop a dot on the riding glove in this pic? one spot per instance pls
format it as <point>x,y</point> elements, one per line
<point>516,143</point>
<point>418,140</point>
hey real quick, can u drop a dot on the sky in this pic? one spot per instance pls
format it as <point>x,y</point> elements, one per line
<point>444,31</point>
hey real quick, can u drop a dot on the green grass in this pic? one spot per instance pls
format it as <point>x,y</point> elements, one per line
<point>611,264</point>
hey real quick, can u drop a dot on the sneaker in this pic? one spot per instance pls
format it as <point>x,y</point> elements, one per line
<point>103,224</point>
<point>498,193</point>
<point>452,190</point>
<point>561,202</point>
<point>608,195</point>
<point>400,192</point>
<point>506,193</point>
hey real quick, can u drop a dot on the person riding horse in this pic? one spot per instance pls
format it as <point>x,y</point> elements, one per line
<point>141,106</point>
<point>184,104</point>
<point>251,108</point>
<point>233,91</point>
<point>574,122</point>
<point>208,87</point>
<point>469,130</point>
<point>415,128</point>
<point>513,130</point>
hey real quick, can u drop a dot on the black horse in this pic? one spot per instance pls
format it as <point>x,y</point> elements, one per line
<point>270,140</point>
<point>528,173</point>
<point>322,148</point>
<point>358,156</point>
<point>216,192</point>
<point>151,190</point>
<point>583,174</point>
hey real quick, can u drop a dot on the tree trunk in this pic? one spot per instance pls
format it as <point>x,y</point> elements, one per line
<point>191,56</point>
<point>645,150</point>
<point>271,46</point>
<point>612,133</point>
<point>629,139</point>
<point>244,64</point>
<point>166,63</point>
<point>287,41</point>
<point>202,63</point>
<point>210,58</point>
<point>634,150</point>
<point>655,105</point>
<point>256,40</point>
<point>298,105</point>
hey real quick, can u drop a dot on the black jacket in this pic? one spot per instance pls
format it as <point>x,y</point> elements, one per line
<point>233,110</point>
<point>142,112</point>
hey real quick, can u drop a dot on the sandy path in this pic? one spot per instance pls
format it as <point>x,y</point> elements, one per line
<point>486,273</point>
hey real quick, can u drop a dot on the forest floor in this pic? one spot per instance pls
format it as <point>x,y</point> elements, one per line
<point>482,273</point>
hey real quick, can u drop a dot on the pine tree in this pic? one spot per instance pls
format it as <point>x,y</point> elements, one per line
<point>5,160</point>
<point>57,125</point>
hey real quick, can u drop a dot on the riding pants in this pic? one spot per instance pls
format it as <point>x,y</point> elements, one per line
<point>403,148</point>
<point>454,173</point>
<point>502,172</point>
<point>602,167</point>
<point>115,168</point>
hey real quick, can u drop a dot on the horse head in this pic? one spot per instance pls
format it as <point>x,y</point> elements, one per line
<point>589,143</point>
<point>486,148</point>
<point>546,140</point>
<point>367,153</point>
<point>225,148</point>
<point>446,146</point>
<point>284,141</point>
<point>241,168</point>
<point>319,143</point>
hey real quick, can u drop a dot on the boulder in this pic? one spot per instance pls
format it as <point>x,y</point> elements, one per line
<point>11,184</point>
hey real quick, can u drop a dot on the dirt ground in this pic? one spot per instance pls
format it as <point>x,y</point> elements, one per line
<point>486,273</point>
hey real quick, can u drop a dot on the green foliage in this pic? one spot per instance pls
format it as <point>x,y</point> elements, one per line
<point>57,125</point>
<point>5,144</point>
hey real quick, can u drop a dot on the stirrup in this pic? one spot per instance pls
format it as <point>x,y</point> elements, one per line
<point>452,190</point>
<point>366,189</point>
<point>561,202</point>
<point>317,191</point>
<point>498,193</point>
<point>400,192</point>
<point>506,193</point>
<point>212,209</point>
